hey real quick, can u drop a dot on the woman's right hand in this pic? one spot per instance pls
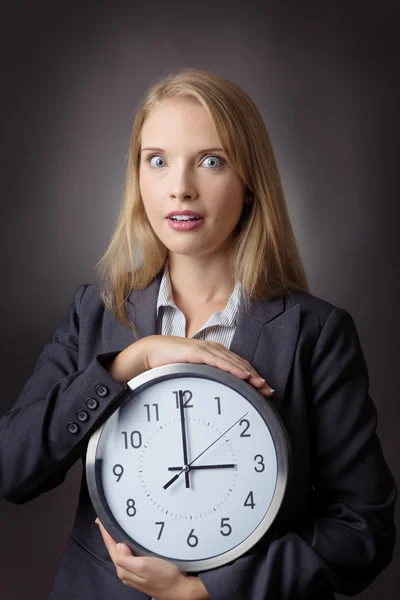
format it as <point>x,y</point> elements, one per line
<point>158,350</point>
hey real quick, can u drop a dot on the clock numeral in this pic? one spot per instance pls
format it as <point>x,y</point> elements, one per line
<point>260,464</point>
<point>244,434</point>
<point>162,523</point>
<point>249,500</point>
<point>194,539</point>
<point>148,411</point>
<point>185,402</point>
<point>218,399</point>
<point>229,530</point>
<point>120,471</point>
<point>135,443</point>
<point>130,507</point>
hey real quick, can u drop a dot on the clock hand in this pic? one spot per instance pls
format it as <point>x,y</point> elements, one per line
<point>183,430</point>
<point>187,467</point>
<point>230,466</point>
<point>218,438</point>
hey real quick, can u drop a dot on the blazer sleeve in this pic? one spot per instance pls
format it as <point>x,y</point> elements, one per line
<point>350,535</point>
<point>37,442</point>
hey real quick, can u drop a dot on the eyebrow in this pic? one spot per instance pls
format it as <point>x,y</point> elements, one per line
<point>199,152</point>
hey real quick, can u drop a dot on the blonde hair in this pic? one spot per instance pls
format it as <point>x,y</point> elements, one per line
<point>265,257</point>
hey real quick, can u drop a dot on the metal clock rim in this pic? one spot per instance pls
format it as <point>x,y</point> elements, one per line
<point>267,411</point>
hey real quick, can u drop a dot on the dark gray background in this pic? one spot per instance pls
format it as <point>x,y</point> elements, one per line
<point>325,77</point>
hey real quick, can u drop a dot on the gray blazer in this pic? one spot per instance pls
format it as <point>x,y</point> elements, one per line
<point>336,529</point>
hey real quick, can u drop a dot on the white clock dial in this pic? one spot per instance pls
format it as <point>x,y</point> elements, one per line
<point>187,467</point>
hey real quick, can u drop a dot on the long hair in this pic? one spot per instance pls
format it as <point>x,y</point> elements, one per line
<point>265,257</point>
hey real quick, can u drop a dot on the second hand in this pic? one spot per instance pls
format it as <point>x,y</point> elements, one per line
<point>171,481</point>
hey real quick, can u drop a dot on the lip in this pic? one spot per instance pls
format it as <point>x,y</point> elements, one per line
<point>188,213</point>
<point>185,225</point>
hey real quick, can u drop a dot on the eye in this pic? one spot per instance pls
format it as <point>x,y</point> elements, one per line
<point>150,157</point>
<point>215,159</point>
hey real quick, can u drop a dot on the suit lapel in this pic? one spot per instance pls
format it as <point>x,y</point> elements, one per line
<point>266,335</point>
<point>267,338</point>
<point>142,308</point>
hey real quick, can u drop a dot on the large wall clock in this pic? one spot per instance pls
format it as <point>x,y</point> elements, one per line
<point>192,467</point>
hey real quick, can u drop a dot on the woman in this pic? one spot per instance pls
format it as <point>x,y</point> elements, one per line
<point>227,289</point>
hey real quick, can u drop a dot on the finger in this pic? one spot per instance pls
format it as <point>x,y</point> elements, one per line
<point>205,356</point>
<point>216,359</point>
<point>220,350</point>
<point>217,350</point>
<point>123,551</point>
<point>109,541</point>
<point>266,391</point>
<point>128,565</point>
<point>217,355</point>
<point>244,366</point>
<point>129,578</point>
<point>222,361</point>
<point>260,383</point>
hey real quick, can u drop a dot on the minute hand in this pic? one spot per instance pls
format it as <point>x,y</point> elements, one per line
<point>183,430</point>
<point>175,477</point>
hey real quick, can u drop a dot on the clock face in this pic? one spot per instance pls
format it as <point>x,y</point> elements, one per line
<point>191,467</point>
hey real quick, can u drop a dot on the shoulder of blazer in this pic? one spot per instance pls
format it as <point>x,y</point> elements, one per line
<point>312,307</point>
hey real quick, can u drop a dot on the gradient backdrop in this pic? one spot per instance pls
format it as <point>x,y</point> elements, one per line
<point>325,77</point>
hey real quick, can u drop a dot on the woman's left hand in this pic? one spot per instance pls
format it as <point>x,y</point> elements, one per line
<point>150,575</point>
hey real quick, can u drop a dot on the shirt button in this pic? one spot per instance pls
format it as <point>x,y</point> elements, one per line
<point>73,427</point>
<point>92,403</point>
<point>82,416</point>
<point>101,390</point>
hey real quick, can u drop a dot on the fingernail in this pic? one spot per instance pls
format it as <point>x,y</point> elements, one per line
<point>269,387</point>
<point>97,521</point>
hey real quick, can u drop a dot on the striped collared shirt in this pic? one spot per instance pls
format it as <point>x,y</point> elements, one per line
<point>220,327</point>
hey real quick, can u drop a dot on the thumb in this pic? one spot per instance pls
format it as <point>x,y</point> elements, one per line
<point>123,550</point>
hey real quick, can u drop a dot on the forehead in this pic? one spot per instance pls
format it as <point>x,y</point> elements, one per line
<point>173,118</point>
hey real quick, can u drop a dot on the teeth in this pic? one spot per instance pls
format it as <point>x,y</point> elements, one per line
<point>183,218</point>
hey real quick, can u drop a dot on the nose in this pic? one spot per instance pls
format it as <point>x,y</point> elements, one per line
<point>182,187</point>
<point>182,193</point>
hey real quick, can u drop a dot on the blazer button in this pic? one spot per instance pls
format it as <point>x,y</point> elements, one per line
<point>82,416</point>
<point>92,403</point>
<point>73,427</point>
<point>101,390</point>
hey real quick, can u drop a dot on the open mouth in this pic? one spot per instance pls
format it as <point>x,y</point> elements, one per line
<point>186,219</point>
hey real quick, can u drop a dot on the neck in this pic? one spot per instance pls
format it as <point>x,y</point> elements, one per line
<point>199,280</point>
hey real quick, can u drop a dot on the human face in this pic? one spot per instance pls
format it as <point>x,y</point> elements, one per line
<point>177,174</point>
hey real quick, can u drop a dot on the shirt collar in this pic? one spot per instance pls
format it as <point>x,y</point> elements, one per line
<point>227,317</point>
